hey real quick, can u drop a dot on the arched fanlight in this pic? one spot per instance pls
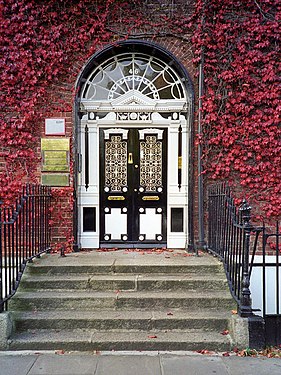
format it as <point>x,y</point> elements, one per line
<point>133,71</point>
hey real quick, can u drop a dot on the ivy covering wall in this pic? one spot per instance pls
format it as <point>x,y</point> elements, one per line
<point>44,45</point>
<point>239,42</point>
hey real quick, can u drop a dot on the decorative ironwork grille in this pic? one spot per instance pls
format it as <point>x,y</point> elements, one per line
<point>133,71</point>
<point>151,163</point>
<point>116,163</point>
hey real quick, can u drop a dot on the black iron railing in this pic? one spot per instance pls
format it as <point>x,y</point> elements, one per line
<point>250,254</point>
<point>232,238</point>
<point>24,234</point>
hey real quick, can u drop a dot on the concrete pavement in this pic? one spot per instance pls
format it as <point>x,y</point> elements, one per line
<point>134,363</point>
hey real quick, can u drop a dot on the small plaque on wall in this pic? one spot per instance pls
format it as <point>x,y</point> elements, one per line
<point>55,154</point>
<point>54,126</point>
<point>55,179</point>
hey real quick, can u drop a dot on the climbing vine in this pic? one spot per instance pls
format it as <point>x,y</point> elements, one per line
<point>44,45</point>
<point>238,43</point>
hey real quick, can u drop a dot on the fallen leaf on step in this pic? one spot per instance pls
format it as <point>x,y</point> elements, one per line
<point>59,352</point>
<point>152,337</point>
<point>203,351</point>
<point>233,312</point>
<point>170,313</point>
<point>225,332</point>
<point>226,354</point>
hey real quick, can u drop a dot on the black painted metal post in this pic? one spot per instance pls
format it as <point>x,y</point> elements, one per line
<point>245,308</point>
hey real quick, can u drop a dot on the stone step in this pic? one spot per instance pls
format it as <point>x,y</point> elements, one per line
<point>125,319</point>
<point>117,340</point>
<point>119,262</point>
<point>125,282</point>
<point>122,301</point>
<point>126,268</point>
<point>73,300</point>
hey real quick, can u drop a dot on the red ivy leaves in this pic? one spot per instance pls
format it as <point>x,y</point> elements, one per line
<point>241,103</point>
<point>43,47</point>
<point>41,41</point>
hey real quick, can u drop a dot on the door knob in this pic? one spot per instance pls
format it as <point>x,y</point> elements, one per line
<point>135,189</point>
<point>136,166</point>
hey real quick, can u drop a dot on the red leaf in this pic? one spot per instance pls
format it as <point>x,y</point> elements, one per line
<point>203,351</point>
<point>225,332</point>
<point>59,352</point>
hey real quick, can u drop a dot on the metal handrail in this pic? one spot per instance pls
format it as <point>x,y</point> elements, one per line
<point>24,234</point>
<point>233,238</point>
<point>229,238</point>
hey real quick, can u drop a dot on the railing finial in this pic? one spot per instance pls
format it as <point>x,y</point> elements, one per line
<point>245,210</point>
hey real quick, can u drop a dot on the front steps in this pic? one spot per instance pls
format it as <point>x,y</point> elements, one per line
<point>122,301</point>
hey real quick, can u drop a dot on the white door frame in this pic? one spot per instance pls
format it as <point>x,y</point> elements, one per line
<point>177,197</point>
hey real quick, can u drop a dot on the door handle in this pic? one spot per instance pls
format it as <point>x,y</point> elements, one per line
<point>130,158</point>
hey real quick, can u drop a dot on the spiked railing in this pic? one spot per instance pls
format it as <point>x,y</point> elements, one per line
<point>24,234</point>
<point>229,237</point>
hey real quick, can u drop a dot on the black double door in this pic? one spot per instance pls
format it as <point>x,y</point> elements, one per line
<point>133,187</point>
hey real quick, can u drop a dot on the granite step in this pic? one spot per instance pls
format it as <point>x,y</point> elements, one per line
<point>117,340</point>
<point>125,282</point>
<point>125,319</point>
<point>76,299</point>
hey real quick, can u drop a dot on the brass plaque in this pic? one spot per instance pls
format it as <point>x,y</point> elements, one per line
<point>55,179</point>
<point>150,198</point>
<point>55,154</point>
<point>55,144</point>
<point>116,198</point>
<point>55,161</point>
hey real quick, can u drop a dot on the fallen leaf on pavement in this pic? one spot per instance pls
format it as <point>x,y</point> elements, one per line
<point>225,332</point>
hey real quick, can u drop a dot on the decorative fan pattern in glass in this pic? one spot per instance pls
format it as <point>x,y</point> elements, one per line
<point>133,71</point>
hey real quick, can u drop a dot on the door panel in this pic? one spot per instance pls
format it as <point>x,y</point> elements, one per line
<point>133,188</point>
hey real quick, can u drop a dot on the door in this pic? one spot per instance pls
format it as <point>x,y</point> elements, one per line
<point>133,187</point>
